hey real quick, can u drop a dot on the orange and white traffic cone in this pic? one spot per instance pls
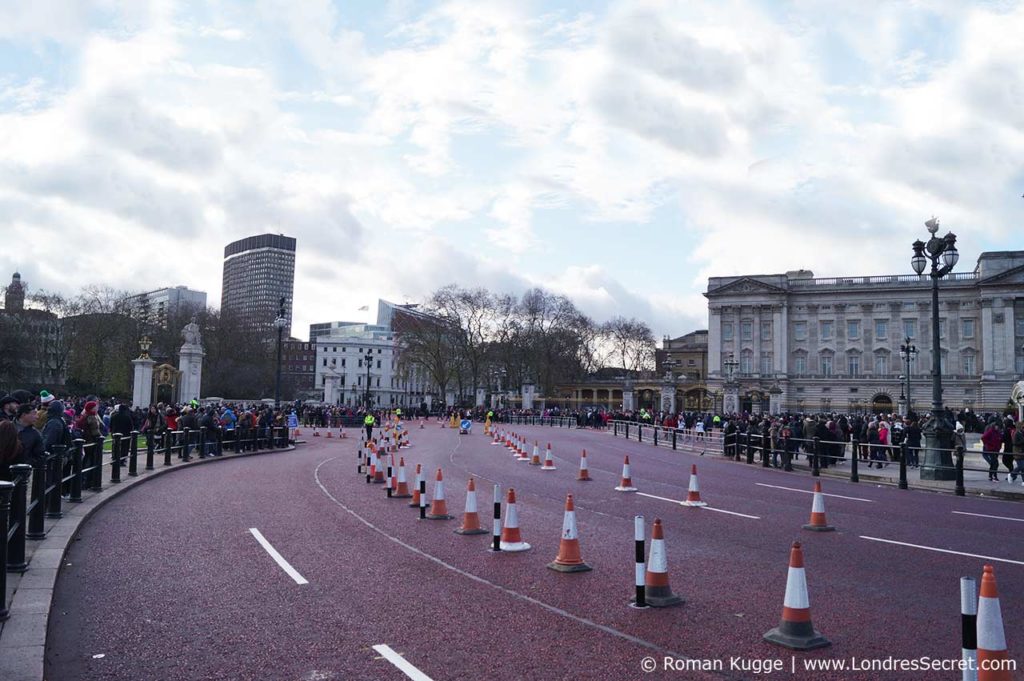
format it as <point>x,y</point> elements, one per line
<point>497,438</point>
<point>378,471</point>
<point>421,425</point>
<point>795,631</point>
<point>535,460</point>
<point>415,503</point>
<point>693,494</point>
<point>316,433</point>
<point>626,485</point>
<point>329,435</point>
<point>818,522</point>
<point>341,433</point>
<point>584,474</point>
<point>402,490</point>
<point>993,659</point>
<point>511,539</point>
<point>471,519</point>
<point>569,559</point>
<point>656,584</point>
<point>438,507</point>
<point>298,432</point>
<point>549,463</point>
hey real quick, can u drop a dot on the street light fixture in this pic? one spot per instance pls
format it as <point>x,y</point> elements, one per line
<point>369,398</point>
<point>938,429</point>
<point>280,323</point>
<point>908,352</point>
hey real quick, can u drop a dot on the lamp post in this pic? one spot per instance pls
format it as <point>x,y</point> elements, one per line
<point>279,324</point>
<point>369,397</point>
<point>938,429</point>
<point>908,352</point>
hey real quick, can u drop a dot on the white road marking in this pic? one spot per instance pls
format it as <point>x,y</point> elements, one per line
<point>278,558</point>
<point>394,658</point>
<point>955,553</point>
<point>982,515</point>
<point>807,491</point>
<point>703,508</point>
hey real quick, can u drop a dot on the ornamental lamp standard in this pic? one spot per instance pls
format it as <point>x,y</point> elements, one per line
<point>280,323</point>
<point>369,398</point>
<point>908,353</point>
<point>938,429</point>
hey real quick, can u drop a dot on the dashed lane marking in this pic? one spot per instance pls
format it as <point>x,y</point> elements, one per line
<point>702,508</point>
<point>510,592</point>
<point>807,491</point>
<point>982,515</point>
<point>278,558</point>
<point>394,658</point>
<point>932,548</point>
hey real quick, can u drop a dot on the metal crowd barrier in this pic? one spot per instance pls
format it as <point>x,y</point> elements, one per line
<point>37,491</point>
<point>551,421</point>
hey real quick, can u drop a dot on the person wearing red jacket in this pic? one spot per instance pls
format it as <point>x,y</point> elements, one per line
<point>991,442</point>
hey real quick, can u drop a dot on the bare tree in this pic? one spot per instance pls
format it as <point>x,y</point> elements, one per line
<point>630,343</point>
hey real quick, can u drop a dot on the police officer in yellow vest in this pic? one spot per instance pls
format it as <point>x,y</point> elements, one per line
<point>369,422</point>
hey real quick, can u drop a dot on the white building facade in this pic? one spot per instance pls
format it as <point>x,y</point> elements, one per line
<point>833,344</point>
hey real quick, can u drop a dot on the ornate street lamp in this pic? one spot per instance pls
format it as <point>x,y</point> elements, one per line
<point>908,352</point>
<point>144,345</point>
<point>279,324</point>
<point>938,429</point>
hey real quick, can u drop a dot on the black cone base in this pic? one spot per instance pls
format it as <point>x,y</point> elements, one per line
<point>820,528</point>
<point>580,567</point>
<point>810,642</point>
<point>402,496</point>
<point>478,530</point>
<point>661,601</point>
<point>440,517</point>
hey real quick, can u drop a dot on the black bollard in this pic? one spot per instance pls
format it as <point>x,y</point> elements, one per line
<point>960,491</point>
<point>674,431</point>
<point>115,458</point>
<point>97,465</point>
<point>766,447</point>
<point>186,441</point>
<point>815,464</point>
<point>750,447</point>
<point>16,542</point>
<point>77,457</point>
<point>854,474</point>
<point>6,489</point>
<point>37,515</point>
<point>639,432</point>
<point>903,466</point>
<point>166,442</point>
<point>238,440</point>
<point>53,499</point>
<point>423,497</point>
<point>389,481</point>
<point>627,431</point>
<point>655,436</point>
<point>615,428</point>
<point>133,454</point>
<point>150,449</point>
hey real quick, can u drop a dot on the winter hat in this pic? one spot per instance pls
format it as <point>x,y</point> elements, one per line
<point>45,397</point>
<point>56,408</point>
<point>90,407</point>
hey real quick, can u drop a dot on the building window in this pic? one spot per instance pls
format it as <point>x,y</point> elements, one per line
<point>727,331</point>
<point>325,361</point>
<point>766,362</point>
<point>800,331</point>
<point>853,365</point>
<point>1020,364</point>
<point>942,328</point>
<point>746,363</point>
<point>1019,324</point>
<point>826,330</point>
<point>360,364</point>
<point>342,361</point>
<point>881,365</point>
<point>826,365</point>
<point>378,364</point>
<point>853,329</point>
<point>766,330</point>
<point>746,331</point>
<point>967,328</point>
<point>910,328</point>
<point>800,365</point>
<point>968,364</point>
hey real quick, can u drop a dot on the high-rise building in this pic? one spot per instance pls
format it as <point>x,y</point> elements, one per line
<point>258,272</point>
<point>159,305</point>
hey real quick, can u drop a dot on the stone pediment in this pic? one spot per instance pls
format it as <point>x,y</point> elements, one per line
<point>746,285</point>
<point>1011,276</point>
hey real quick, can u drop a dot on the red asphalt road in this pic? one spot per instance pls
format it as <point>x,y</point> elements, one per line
<point>167,582</point>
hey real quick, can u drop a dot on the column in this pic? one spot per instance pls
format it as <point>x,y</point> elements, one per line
<point>780,322</point>
<point>1010,352</point>
<point>142,385</point>
<point>714,341</point>
<point>986,337</point>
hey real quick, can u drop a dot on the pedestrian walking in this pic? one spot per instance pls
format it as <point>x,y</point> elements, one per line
<point>991,443</point>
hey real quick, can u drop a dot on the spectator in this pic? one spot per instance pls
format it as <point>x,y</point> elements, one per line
<point>45,399</point>
<point>8,407</point>
<point>89,424</point>
<point>991,443</point>
<point>55,432</point>
<point>31,440</point>
<point>121,420</point>
<point>912,436</point>
<point>1009,433</point>
<point>1018,451</point>
<point>10,448</point>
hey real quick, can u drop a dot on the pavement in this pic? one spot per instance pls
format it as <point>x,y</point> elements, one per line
<point>168,581</point>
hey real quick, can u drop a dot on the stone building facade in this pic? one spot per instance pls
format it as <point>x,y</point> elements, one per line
<point>793,342</point>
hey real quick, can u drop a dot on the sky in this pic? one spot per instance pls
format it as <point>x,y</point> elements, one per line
<point>619,153</point>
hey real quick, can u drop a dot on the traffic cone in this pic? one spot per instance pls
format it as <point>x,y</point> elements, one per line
<point>568,559</point>
<point>298,432</point>
<point>693,495</point>
<point>584,475</point>
<point>549,463</point>
<point>402,491</point>
<point>471,519</point>
<point>329,435</point>
<point>795,631</point>
<point>993,662</point>
<point>497,438</point>
<point>415,503</point>
<point>535,461</point>
<point>626,485</point>
<point>378,472</point>
<point>818,522</point>
<point>511,540</point>
<point>316,433</point>
<point>341,433</point>
<point>438,507</point>
<point>658,591</point>
<point>421,425</point>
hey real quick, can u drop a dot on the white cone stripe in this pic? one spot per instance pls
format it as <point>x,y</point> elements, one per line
<point>511,516</point>
<point>569,525</point>
<point>471,502</point>
<point>818,505</point>
<point>583,464</point>
<point>625,471</point>
<point>990,625</point>
<point>439,490</point>
<point>401,474</point>
<point>796,590</point>
<point>693,484</point>
<point>658,560</point>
